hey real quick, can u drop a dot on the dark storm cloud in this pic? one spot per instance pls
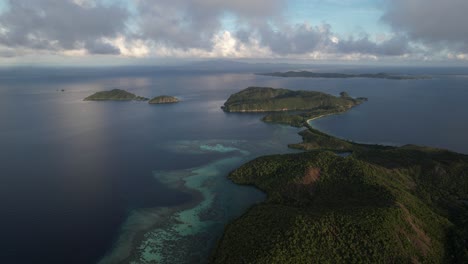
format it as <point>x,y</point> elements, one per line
<point>60,25</point>
<point>437,23</point>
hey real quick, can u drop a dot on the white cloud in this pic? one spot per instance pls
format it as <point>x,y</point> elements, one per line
<point>224,46</point>
<point>196,29</point>
<point>85,3</point>
<point>74,53</point>
<point>130,47</point>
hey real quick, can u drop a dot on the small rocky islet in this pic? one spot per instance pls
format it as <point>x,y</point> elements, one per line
<point>164,99</point>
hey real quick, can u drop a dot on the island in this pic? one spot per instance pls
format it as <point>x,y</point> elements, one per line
<point>163,99</point>
<point>287,106</point>
<point>115,95</point>
<point>345,202</point>
<point>309,74</point>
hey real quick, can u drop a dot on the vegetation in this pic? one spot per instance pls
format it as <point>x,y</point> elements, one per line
<point>163,99</point>
<point>299,119</point>
<point>114,95</point>
<point>313,139</point>
<point>287,106</point>
<point>379,205</point>
<point>308,74</point>
<point>264,99</point>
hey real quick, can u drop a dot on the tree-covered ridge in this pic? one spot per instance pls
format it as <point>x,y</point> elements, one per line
<point>379,205</point>
<point>291,107</point>
<point>163,99</point>
<point>114,95</point>
<point>309,74</point>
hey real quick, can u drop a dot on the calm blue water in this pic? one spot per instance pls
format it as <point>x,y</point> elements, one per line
<point>424,112</point>
<point>72,172</point>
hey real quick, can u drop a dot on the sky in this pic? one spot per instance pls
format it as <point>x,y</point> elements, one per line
<point>114,32</point>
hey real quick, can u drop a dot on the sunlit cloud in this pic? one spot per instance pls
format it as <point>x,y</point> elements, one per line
<point>232,29</point>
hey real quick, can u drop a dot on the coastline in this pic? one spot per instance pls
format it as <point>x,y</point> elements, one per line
<point>186,233</point>
<point>261,221</point>
<point>124,247</point>
<point>314,118</point>
<point>135,244</point>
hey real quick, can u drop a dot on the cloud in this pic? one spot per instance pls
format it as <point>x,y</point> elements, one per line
<point>192,24</point>
<point>61,25</point>
<point>394,46</point>
<point>305,39</point>
<point>99,47</point>
<point>297,39</point>
<point>196,28</point>
<point>7,53</point>
<point>435,23</point>
<point>256,28</point>
<point>130,47</point>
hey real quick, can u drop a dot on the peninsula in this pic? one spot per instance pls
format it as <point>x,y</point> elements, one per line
<point>115,95</point>
<point>287,106</point>
<point>163,99</point>
<point>376,204</point>
<point>309,74</point>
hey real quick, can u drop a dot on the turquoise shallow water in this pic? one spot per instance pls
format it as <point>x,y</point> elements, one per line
<point>187,234</point>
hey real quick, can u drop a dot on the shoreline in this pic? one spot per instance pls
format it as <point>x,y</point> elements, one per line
<point>188,231</point>
<point>137,237</point>
<point>315,118</point>
<point>308,126</point>
<point>137,246</point>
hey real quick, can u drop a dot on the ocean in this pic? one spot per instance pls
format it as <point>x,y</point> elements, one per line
<point>103,182</point>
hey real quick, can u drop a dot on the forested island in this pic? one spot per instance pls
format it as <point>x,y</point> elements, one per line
<point>163,99</point>
<point>376,204</point>
<point>115,95</point>
<point>288,106</point>
<point>122,95</point>
<point>309,74</point>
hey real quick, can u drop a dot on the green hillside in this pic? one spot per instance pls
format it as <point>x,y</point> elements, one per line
<point>265,99</point>
<point>379,205</point>
<point>344,202</point>
<point>114,95</point>
<point>287,106</point>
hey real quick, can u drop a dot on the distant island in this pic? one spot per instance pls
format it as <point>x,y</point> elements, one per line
<point>345,202</point>
<point>163,99</point>
<point>309,74</point>
<point>115,95</point>
<point>288,106</point>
